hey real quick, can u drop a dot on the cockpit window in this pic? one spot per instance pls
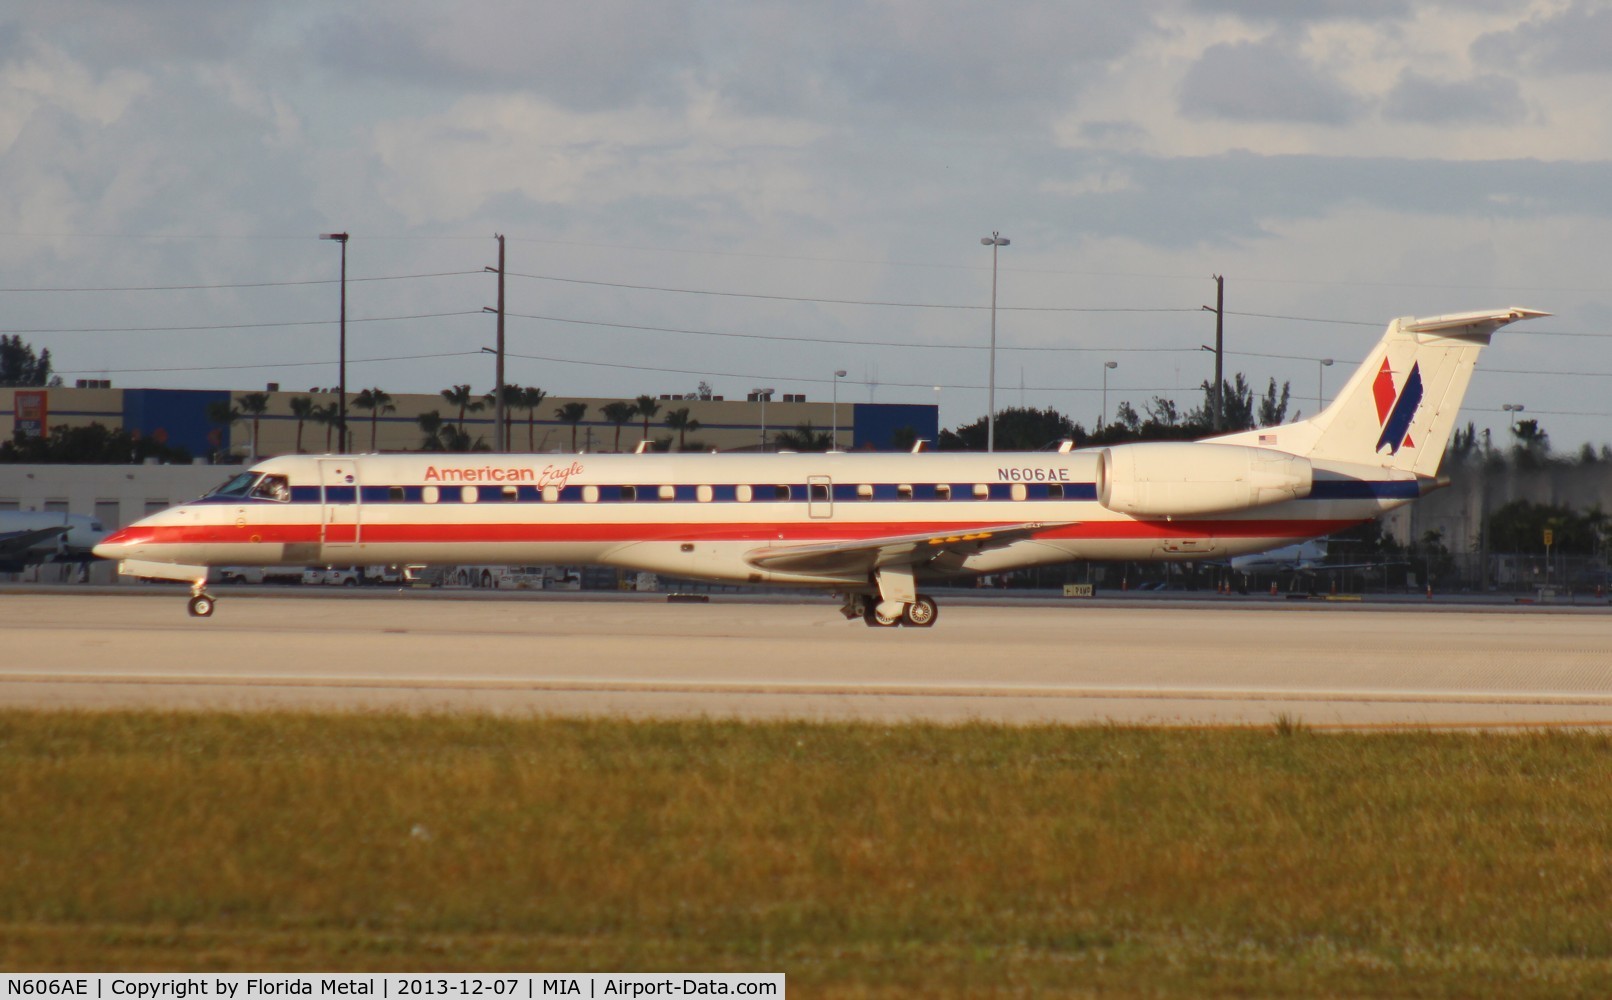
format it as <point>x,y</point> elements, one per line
<point>239,486</point>
<point>256,486</point>
<point>272,487</point>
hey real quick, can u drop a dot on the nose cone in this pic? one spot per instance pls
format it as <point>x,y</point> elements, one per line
<point>116,545</point>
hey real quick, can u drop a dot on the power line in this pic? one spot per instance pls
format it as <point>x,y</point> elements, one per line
<point>270,364</point>
<point>847,302</point>
<point>832,340</point>
<point>240,284</point>
<point>776,376</point>
<point>238,326</point>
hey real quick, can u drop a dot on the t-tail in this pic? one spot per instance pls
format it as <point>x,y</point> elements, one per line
<point>1399,408</point>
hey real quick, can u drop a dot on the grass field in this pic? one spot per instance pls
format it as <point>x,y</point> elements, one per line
<point>860,860</point>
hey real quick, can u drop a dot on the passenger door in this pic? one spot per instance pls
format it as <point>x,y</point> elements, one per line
<point>340,520</point>
<point>819,497</point>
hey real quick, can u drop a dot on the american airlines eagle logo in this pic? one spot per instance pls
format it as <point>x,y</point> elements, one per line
<point>1396,408</point>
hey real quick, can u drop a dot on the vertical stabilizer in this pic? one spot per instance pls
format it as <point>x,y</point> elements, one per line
<point>1398,409</point>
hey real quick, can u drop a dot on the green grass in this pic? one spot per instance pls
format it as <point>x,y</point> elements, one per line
<point>859,859</point>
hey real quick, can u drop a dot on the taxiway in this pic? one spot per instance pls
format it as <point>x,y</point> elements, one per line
<point>1327,666</point>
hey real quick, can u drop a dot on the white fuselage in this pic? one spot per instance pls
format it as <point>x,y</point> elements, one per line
<point>705,515</point>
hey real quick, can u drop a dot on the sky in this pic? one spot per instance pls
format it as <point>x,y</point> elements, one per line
<point>757,194</point>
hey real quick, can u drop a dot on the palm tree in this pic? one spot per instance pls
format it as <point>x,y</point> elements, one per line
<point>431,423</point>
<point>330,415</point>
<point>225,415</point>
<point>682,423</point>
<point>302,409</point>
<point>512,400</point>
<point>647,407</point>
<point>460,396</point>
<point>254,405</point>
<point>618,414</point>
<point>377,402</point>
<point>572,413</point>
<point>531,398</point>
<point>803,438</point>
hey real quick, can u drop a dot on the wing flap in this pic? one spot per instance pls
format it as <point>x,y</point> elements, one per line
<point>862,555</point>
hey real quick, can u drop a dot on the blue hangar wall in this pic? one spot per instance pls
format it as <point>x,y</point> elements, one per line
<point>876,424</point>
<point>177,417</point>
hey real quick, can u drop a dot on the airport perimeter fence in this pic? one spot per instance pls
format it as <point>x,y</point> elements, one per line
<point>1520,575</point>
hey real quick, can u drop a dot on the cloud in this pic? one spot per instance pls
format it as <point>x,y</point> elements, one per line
<point>1264,81</point>
<point>1310,11</point>
<point>952,62</point>
<point>588,56</point>
<point>1213,200</point>
<point>1488,98</point>
<point>1577,39</point>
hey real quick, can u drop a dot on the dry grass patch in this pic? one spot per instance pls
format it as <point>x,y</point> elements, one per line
<point>940,860</point>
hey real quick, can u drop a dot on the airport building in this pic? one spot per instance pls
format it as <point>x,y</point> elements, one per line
<point>296,422</point>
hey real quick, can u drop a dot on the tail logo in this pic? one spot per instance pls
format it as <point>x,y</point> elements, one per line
<point>1396,408</point>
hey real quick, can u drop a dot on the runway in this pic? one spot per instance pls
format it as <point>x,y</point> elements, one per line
<point>1079,662</point>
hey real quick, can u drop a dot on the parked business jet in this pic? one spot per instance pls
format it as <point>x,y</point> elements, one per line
<point>28,538</point>
<point>874,527</point>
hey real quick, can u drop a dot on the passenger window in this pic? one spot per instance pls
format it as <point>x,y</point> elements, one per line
<point>590,494</point>
<point>743,494</point>
<point>629,494</point>
<point>1055,491</point>
<point>1019,492</point>
<point>819,491</point>
<point>429,494</point>
<point>394,494</point>
<point>468,494</point>
<point>982,491</point>
<point>513,493</point>
<point>667,493</point>
<point>943,491</point>
<point>904,491</point>
<point>780,493</point>
<point>550,493</point>
<point>864,491</point>
<point>703,494</point>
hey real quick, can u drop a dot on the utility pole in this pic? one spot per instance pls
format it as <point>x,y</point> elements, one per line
<point>500,430</point>
<point>1220,348</point>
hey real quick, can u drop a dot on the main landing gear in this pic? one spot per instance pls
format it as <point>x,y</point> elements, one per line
<point>201,602</point>
<point>921,612</point>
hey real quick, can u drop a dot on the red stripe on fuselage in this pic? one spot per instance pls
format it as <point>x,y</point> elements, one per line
<point>460,532</point>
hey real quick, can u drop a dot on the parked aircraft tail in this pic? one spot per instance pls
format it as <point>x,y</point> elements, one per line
<point>1399,408</point>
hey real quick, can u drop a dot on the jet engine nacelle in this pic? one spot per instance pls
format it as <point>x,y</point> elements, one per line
<point>1167,479</point>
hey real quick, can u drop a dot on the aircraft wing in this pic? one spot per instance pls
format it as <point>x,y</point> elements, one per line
<point>15,543</point>
<point>859,556</point>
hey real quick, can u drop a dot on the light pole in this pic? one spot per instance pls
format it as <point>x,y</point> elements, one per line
<point>835,435</point>
<point>993,241</point>
<point>1321,366</point>
<point>341,419</point>
<point>1513,409</point>
<point>498,429</point>
<point>1102,421</point>
<point>763,395</point>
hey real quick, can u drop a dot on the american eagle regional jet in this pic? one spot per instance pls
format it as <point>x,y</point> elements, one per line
<point>873,527</point>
